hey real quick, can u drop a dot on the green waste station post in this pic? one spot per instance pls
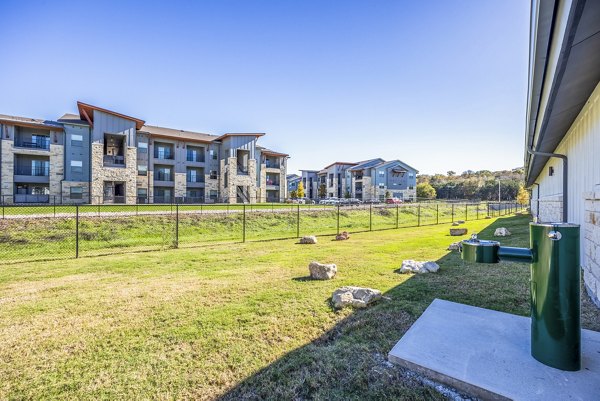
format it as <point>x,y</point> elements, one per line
<point>553,256</point>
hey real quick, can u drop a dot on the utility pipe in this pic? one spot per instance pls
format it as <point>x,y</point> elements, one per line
<point>565,172</point>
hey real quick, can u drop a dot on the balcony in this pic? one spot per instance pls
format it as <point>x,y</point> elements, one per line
<point>162,152</point>
<point>242,170</point>
<point>272,163</point>
<point>42,171</point>
<point>37,143</point>
<point>163,176</point>
<point>114,161</point>
<point>195,155</point>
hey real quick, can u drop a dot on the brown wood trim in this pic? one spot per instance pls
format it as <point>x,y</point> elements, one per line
<point>32,125</point>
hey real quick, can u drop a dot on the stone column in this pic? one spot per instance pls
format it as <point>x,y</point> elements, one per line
<point>8,171</point>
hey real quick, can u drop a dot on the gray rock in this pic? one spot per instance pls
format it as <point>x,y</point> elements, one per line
<point>320,271</point>
<point>502,232</point>
<point>356,297</point>
<point>309,239</point>
<point>456,223</point>
<point>455,232</point>
<point>460,221</point>
<point>342,236</point>
<point>455,246</point>
<point>412,266</point>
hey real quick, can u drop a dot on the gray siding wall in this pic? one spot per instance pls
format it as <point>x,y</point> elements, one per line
<point>233,143</point>
<point>77,153</point>
<point>108,124</point>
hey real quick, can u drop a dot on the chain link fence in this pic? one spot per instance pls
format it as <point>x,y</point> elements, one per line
<point>46,232</point>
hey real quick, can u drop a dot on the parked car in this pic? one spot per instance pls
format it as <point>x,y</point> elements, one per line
<point>308,201</point>
<point>393,201</point>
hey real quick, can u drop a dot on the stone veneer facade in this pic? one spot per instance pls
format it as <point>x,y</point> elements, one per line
<point>591,246</point>
<point>229,191</point>
<point>100,174</point>
<point>8,171</point>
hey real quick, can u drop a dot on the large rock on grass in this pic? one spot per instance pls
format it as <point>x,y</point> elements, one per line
<point>309,239</point>
<point>357,297</point>
<point>501,232</point>
<point>320,271</point>
<point>412,266</point>
<point>456,232</point>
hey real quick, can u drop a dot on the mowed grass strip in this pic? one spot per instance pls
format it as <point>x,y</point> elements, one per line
<point>237,321</point>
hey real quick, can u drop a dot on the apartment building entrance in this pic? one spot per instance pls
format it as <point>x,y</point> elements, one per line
<point>114,192</point>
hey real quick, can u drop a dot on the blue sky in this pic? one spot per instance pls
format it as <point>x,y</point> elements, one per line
<point>441,85</point>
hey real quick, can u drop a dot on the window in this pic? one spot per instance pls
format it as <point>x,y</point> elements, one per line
<point>40,168</point>
<point>76,167</point>
<point>550,171</point>
<point>381,186</point>
<point>77,140</point>
<point>213,194</point>
<point>142,147</point>
<point>411,175</point>
<point>195,154</point>
<point>411,187</point>
<point>213,174</point>
<point>213,154</point>
<point>142,169</point>
<point>76,192</point>
<point>381,173</point>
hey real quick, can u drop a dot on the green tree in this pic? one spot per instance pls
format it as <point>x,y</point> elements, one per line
<point>425,191</point>
<point>451,173</point>
<point>322,191</point>
<point>347,195</point>
<point>388,195</point>
<point>294,194</point>
<point>300,190</point>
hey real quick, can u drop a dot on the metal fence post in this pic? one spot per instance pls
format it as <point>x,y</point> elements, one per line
<point>370,217</point>
<point>76,231</point>
<point>243,222</point>
<point>437,213</point>
<point>419,215</point>
<point>488,209</point>
<point>338,218</point>
<point>298,222</point>
<point>177,225</point>
<point>397,214</point>
<point>453,212</point>
<point>54,201</point>
<point>466,211</point>
<point>477,212</point>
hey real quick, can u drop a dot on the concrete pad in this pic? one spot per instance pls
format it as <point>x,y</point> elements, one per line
<point>486,353</point>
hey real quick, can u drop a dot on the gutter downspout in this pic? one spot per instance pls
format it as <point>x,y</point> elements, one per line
<point>536,218</point>
<point>565,172</point>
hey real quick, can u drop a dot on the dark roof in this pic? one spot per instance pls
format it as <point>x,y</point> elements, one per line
<point>341,163</point>
<point>177,134</point>
<point>366,164</point>
<point>576,75</point>
<point>30,122</point>
<point>271,152</point>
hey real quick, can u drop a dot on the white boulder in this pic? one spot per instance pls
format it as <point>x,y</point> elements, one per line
<point>501,232</point>
<point>356,297</point>
<point>320,271</point>
<point>455,246</point>
<point>412,266</point>
<point>309,239</point>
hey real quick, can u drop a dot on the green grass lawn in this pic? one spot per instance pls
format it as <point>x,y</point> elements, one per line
<point>238,321</point>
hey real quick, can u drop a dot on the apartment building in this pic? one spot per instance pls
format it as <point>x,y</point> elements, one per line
<point>367,180</point>
<point>101,156</point>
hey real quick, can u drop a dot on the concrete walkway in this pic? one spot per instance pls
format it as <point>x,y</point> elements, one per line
<point>487,354</point>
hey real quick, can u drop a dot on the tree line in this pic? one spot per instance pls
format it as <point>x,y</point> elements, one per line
<point>482,185</point>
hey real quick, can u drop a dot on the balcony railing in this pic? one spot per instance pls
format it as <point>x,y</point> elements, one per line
<point>43,171</point>
<point>198,157</point>
<point>163,176</point>
<point>39,143</point>
<point>114,161</point>
<point>163,154</point>
<point>271,164</point>
<point>272,182</point>
<point>195,178</point>
<point>241,169</point>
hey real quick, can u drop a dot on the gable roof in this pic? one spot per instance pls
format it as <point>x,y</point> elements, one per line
<point>340,163</point>
<point>69,118</point>
<point>366,164</point>
<point>271,152</point>
<point>393,162</point>
<point>227,135</point>
<point>86,112</point>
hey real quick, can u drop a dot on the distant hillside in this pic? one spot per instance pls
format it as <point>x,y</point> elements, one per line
<point>476,184</point>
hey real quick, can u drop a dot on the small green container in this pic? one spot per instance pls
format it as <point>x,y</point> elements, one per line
<point>480,251</point>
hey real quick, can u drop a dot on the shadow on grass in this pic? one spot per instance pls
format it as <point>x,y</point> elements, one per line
<point>349,361</point>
